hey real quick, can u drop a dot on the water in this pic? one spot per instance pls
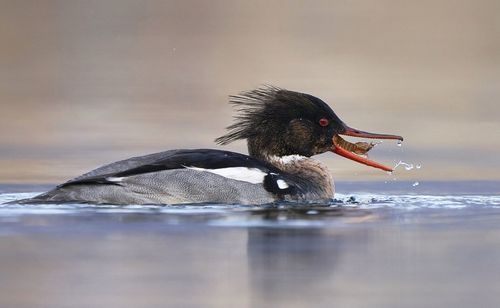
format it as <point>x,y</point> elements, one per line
<point>376,245</point>
<point>407,166</point>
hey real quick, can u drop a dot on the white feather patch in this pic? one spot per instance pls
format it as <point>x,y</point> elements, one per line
<point>250,175</point>
<point>282,184</point>
<point>115,179</point>
<point>289,159</point>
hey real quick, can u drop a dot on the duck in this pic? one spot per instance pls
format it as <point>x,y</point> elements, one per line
<point>283,129</point>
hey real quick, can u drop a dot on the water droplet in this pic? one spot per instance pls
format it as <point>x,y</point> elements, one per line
<point>407,166</point>
<point>418,166</point>
<point>415,184</point>
<point>400,143</point>
<point>389,172</point>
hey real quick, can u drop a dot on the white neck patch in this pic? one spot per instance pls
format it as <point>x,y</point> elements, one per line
<point>250,175</point>
<point>288,159</point>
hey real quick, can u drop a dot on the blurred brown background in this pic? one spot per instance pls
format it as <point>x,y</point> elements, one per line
<point>83,83</point>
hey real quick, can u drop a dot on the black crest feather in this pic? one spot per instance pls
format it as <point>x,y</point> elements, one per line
<point>258,110</point>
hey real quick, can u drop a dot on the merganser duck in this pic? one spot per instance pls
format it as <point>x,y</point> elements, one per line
<point>283,130</point>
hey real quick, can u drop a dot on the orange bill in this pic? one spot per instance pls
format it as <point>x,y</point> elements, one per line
<point>360,159</point>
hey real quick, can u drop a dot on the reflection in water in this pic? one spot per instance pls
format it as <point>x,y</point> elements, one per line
<point>288,265</point>
<point>377,250</point>
<point>266,258</point>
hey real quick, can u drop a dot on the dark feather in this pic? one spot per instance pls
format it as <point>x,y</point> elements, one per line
<point>261,111</point>
<point>201,158</point>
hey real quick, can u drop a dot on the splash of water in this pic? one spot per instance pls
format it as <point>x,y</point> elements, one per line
<point>375,143</point>
<point>407,166</point>
<point>415,184</point>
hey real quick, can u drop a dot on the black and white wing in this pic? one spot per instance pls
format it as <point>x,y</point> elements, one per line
<point>230,165</point>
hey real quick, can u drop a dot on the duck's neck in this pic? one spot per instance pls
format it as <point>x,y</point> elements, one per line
<point>258,148</point>
<point>313,178</point>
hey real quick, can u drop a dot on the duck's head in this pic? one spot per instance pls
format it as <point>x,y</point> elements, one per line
<point>278,122</point>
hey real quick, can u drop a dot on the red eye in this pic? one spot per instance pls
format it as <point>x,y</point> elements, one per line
<point>324,122</point>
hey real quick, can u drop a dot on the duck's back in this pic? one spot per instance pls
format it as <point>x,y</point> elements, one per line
<point>176,176</point>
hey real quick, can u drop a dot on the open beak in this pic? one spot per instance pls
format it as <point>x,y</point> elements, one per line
<point>349,150</point>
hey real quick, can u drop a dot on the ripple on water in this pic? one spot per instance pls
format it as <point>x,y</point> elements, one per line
<point>346,210</point>
<point>358,200</point>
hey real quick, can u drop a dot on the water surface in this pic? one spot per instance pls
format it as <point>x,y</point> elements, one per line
<point>375,245</point>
